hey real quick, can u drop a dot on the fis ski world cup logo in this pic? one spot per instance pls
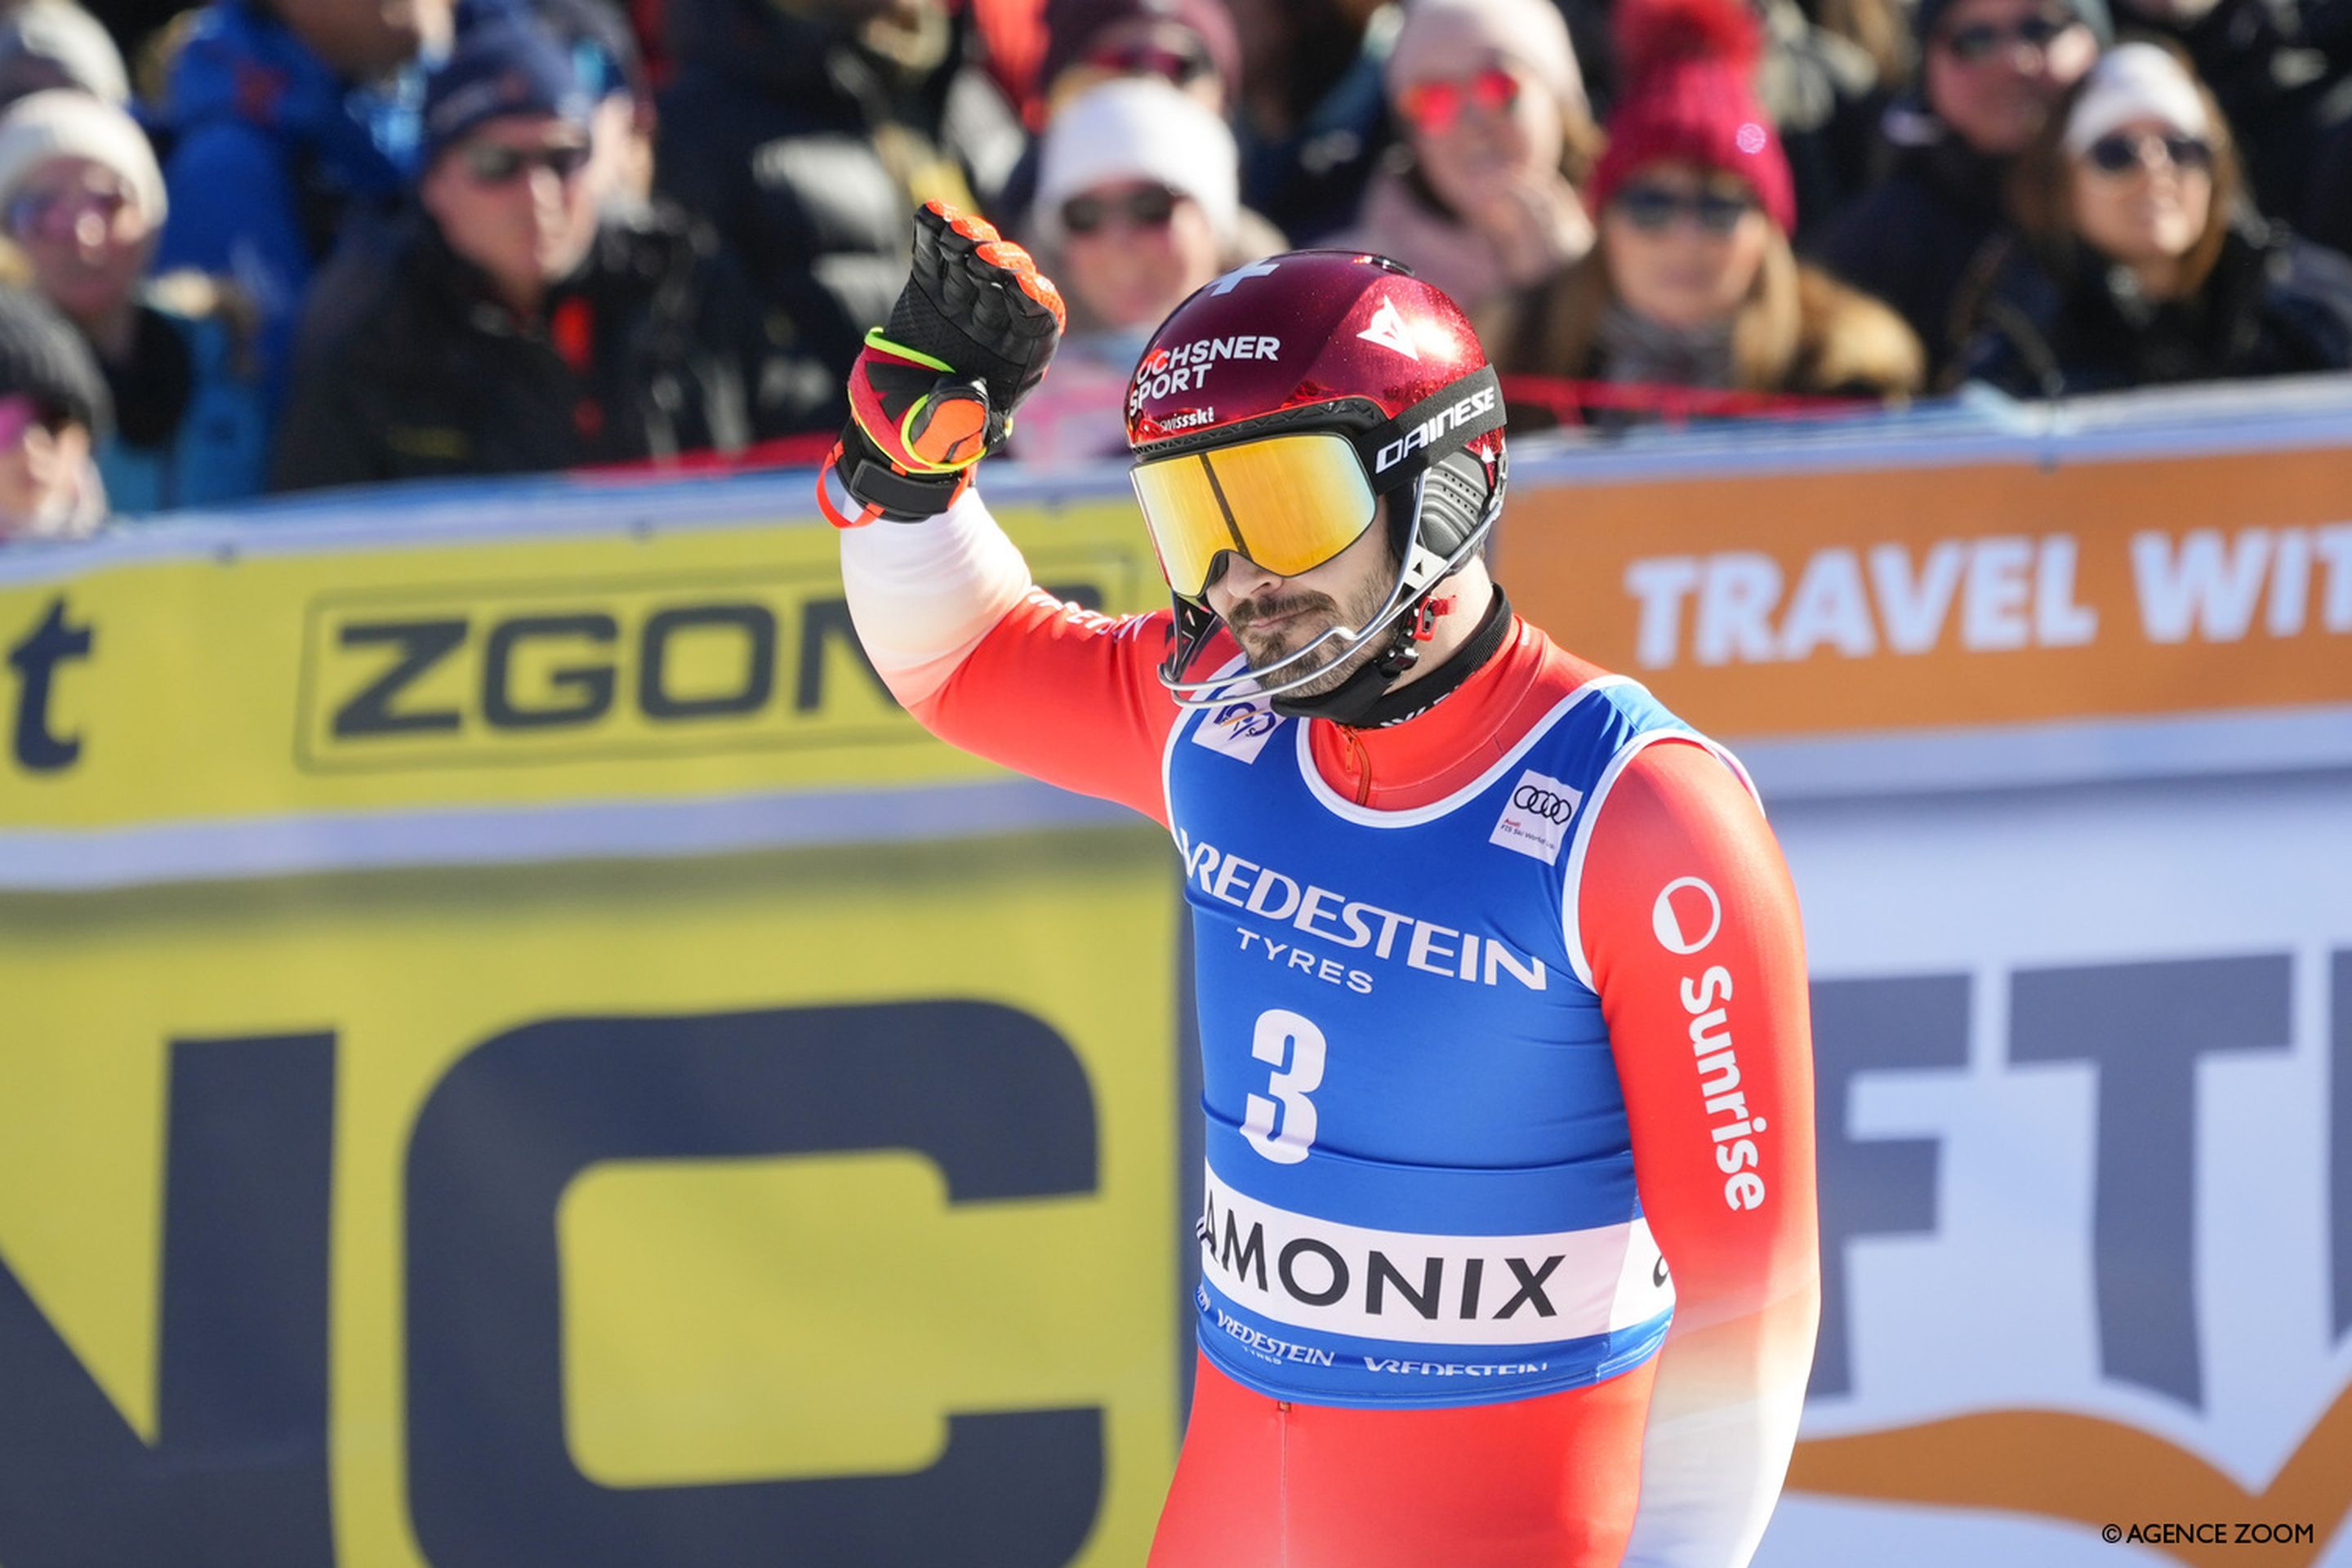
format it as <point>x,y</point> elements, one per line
<point>1239,729</point>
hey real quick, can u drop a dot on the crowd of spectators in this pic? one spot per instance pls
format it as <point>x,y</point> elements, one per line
<point>275,245</point>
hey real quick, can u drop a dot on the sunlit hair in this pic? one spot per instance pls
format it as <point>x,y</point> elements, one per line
<point>2041,186</point>
<point>1789,310</point>
<point>1881,29</point>
<point>1581,145</point>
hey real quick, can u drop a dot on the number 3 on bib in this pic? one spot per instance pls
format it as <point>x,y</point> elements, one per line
<point>1282,1036</point>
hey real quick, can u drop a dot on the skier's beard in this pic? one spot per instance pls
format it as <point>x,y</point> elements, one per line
<point>1311,615</point>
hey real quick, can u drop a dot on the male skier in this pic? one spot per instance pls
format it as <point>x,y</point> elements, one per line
<point>1509,1253</point>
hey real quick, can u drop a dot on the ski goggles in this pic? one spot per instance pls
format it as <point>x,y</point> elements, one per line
<point>1287,502</point>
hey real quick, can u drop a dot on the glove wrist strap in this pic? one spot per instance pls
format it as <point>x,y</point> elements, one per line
<point>903,497</point>
<point>866,477</point>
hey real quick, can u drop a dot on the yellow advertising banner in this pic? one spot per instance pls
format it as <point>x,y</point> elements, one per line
<point>422,671</point>
<point>622,1213</point>
<point>1809,602</point>
<point>704,1187</point>
<point>442,1123</point>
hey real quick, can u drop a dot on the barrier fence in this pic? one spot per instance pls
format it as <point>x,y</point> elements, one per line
<point>517,1052</point>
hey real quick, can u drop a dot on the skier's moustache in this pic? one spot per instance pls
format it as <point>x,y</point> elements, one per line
<point>1244,616</point>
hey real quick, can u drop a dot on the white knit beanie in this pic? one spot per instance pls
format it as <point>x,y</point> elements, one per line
<point>1138,128</point>
<point>61,40</point>
<point>1450,37</point>
<point>2136,81</point>
<point>64,123</point>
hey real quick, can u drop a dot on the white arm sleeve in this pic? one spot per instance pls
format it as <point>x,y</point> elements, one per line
<point>923,595</point>
<point>1710,1478</point>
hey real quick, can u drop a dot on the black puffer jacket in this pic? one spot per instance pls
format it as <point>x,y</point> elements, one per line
<point>639,354</point>
<point>1822,93</point>
<point>2274,305</point>
<point>2327,201</point>
<point>807,153</point>
<point>1910,239</point>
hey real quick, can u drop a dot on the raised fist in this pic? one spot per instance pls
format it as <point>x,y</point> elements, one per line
<point>934,392</point>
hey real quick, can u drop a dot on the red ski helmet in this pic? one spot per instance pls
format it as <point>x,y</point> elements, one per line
<point>1276,407</point>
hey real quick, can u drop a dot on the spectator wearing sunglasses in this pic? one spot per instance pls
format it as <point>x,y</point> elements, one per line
<point>84,202</point>
<point>522,326</point>
<point>2136,265</point>
<point>1138,206</point>
<point>1191,44</point>
<point>2280,99</point>
<point>1481,196</point>
<point>53,411</point>
<point>1694,283</point>
<point>604,53</point>
<point>1989,72</point>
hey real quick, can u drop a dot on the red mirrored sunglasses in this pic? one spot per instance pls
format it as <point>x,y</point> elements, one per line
<point>1436,105</point>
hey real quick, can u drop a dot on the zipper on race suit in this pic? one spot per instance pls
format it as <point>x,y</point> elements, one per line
<point>1360,762</point>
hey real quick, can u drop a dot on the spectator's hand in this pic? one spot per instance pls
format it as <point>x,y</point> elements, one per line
<point>935,392</point>
<point>1535,220</point>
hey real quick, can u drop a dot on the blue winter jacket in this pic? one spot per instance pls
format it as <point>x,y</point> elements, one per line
<point>218,451</point>
<point>271,155</point>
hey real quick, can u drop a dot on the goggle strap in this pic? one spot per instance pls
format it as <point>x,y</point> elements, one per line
<point>1444,422</point>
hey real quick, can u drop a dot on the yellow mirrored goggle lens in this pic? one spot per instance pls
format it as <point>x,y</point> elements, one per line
<point>1288,502</point>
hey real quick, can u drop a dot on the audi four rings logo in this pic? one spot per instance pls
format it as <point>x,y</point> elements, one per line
<point>1535,815</point>
<point>1543,803</point>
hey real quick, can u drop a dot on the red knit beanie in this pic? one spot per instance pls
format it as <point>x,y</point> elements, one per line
<point>1689,71</point>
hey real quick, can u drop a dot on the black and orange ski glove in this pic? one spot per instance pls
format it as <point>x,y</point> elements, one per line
<point>934,392</point>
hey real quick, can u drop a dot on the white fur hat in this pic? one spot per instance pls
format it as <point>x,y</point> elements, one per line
<point>1138,128</point>
<point>65,123</point>
<point>1447,37</point>
<point>56,43</point>
<point>2136,81</point>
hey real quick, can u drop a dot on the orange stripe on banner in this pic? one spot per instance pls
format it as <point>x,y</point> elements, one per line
<point>1812,604</point>
<point>2096,1472</point>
